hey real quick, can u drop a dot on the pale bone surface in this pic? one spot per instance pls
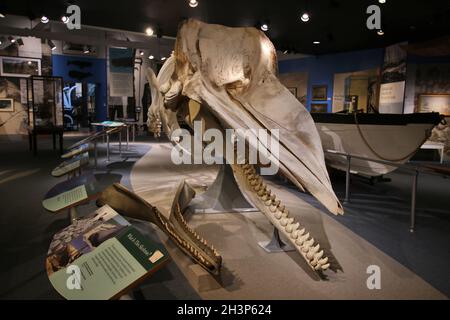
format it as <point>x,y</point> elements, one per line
<point>231,74</point>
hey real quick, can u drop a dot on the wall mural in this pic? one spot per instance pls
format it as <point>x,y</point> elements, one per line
<point>432,93</point>
<point>13,116</point>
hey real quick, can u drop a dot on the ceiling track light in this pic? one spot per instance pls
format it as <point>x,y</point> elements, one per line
<point>65,19</point>
<point>193,3</point>
<point>149,31</point>
<point>51,44</point>
<point>316,42</point>
<point>11,39</point>
<point>2,15</point>
<point>151,57</point>
<point>382,1</point>
<point>45,19</point>
<point>86,50</point>
<point>305,17</point>
<point>163,59</point>
<point>380,32</point>
<point>141,53</point>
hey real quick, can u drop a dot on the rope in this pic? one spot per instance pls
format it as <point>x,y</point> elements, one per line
<point>409,155</point>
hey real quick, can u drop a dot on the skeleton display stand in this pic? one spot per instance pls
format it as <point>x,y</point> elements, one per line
<point>276,244</point>
<point>222,196</point>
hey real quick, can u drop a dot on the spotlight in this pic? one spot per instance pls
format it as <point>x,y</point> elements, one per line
<point>193,3</point>
<point>51,44</point>
<point>2,15</point>
<point>149,31</point>
<point>305,17</point>
<point>316,42</point>
<point>65,19</point>
<point>44,19</point>
<point>163,59</point>
<point>1,42</point>
<point>20,42</point>
<point>141,53</point>
<point>29,63</point>
<point>86,50</point>
<point>382,1</point>
<point>264,27</point>
<point>11,39</point>
<point>380,32</point>
<point>151,57</point>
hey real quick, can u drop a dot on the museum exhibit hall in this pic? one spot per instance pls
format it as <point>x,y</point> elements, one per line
<point>199,150</point>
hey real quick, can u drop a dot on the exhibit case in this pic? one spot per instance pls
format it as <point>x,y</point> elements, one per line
<point>45,109</point>
<point>45,104</point>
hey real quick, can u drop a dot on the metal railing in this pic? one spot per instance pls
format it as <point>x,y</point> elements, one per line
<point>414,168</point>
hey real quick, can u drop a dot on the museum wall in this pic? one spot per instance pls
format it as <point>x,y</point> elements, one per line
<point>93,71</point>
<point>14,121</point>
<point>322,69</point>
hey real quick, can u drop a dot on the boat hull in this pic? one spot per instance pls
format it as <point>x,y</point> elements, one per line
<point>394,141</point>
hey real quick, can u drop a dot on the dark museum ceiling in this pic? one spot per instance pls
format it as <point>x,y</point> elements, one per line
<point>340,25</point>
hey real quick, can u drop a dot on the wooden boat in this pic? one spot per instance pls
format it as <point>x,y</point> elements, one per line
<point>389,137</point>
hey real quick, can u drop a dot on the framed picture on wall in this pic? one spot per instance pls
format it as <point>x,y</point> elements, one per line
<point>293,91</point>
<point>319,107</point>
<point>435,103</point>
<point>19,67</point>
<point>319,93</point>
<point>6,105</point>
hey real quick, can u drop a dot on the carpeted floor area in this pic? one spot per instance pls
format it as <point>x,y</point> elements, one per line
<point>285,276</point>
<point>379,214</point>
<point>27,229</point>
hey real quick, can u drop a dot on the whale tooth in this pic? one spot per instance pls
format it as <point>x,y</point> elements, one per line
<point>325,266</point>
<point>313,251</point>
<point>302,239</point>
<point>268,202</point>
<point>318,255</point>
<point>261,192</point>
<point>301,232</point>
<point>314,262</point>
<point>273,208</point>
<point>257,188</point>
<point>284,222</point>
<point>307,245</point>
<point>323,261</point>
<point>294,234</point>
<point>282,208</point>
<point>278,215</point>
<point>292,227</point>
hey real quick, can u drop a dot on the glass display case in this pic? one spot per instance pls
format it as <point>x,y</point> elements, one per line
<point>45,103</point>
<point>45,109</point>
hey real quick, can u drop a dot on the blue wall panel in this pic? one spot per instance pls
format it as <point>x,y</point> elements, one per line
<point>98,76</point>
<point>321,69</point>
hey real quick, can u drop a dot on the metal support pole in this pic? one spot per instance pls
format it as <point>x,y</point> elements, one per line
<point>120,142</point>
<point>128,136</point>
<point>95,154</point>
<point>347,180</point>
<point>73,215</point>
<point>133,130</point>
<point>413,202</point>
<point>276,244</point>
<point>107,147</point>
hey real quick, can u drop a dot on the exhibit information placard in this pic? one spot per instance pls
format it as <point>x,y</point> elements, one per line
<point>100,257</point>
